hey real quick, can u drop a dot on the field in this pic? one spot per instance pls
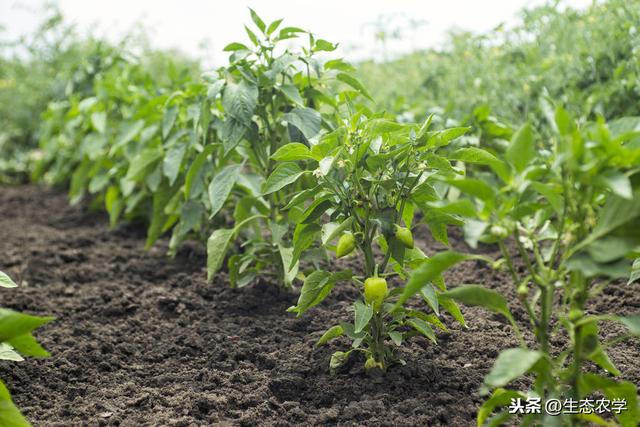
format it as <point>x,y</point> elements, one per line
<point>291,239</point>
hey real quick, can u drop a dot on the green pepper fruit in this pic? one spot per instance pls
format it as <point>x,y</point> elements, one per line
<point>404,235</point>
<point>346,245</point>
<point>372,364</point>
<point>575,314</point>
<point>375,289</point>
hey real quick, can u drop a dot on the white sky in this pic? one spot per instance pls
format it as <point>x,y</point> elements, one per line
<point>186,24</point>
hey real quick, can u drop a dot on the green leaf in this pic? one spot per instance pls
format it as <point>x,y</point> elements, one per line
<point>291,152</point>
<point>27,345</point>
<point>632,323</point>
<point>14,324</point>
<point>172,161</point>
<point>6,282</point>
<point>220,187</point>
<point>283,175</point>
<point>324,46</point>
<point>332,230</point>
<point>479,156</point>
<point>331,333</point>
<point>429,271</point>
<point>273,26</point>
<point>363,314</point>
<point>522,149</point>
<point>480,296</point>
<point>303,237</point>
<point>422,327</point>
<point>307,120</point>
<point>354,83</point>
<point>316,287</point>
<point>160,200</point>
<point>512,364</point>
<point>613,389</point>
<point>8,353</point>
<point>217,246</point>
<point>474,187</point>
<point>196,166</point>
<point>635,271</point>
<point>232,47</point>
<point>290,271</point>
<point>168,121</point>
<point>499,398</point>
<point>144,160</point>
<point>256,20</point>
<point>619,183</point>
<point>292,94</point>
<point>10,415</point>
<point>99,121</point>
<point>428,292</point>
<point>240,100</point>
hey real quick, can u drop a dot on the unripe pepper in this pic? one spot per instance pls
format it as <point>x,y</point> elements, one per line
<point>405,237</point>
<point>375,289</point>
<point>346,245</point>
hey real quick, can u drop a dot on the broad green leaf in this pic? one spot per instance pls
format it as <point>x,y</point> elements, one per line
<point>428,292</point>
<point>613,389</point>
<point>196,167</point>
<point>479,156</point>
<point>512,364</point>
<point>316,287</point>
<point>283,175</point>
<point>140,164</point>
<point>14,324</point>
<point>521,149</point>
<point>158,218</point>
<point>240,100</point>
<point>6,282</point>
<point>172,161</point>
<point>474,187</point>
<point>232,47</point>
<point>292,94</point>
<point>290,271</point>
<point>422,327</point>
<point>307,120</point>
<point>332,230</point>
<point>632,323</point>
<point>480,296</point>
<point>619,183</point>
<point>27,345</point>
<point>8,353</point>
<point>127,133</point>
<point>99,121</point>
<point>220,187</point>
<point>291,152</point>
<point>256,20</point>
<point>635,271</point>
<point>273,26</point>
<point>168,121</point>
<point>499,398</point>
<point>217,246</point>
<point>452,308</point>
<point>362,314</point>
<point>10,415</point>
<point>331,333</point>
<point>303,237</point>
<point>354,83</point>
<point>429,271</point>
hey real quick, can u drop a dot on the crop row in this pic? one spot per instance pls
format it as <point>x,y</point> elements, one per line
<point>279,163</point>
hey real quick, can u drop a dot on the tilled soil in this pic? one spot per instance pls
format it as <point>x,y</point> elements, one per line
<point>143,340</point>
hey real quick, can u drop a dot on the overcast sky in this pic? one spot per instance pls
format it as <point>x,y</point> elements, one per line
<point>186,24</point>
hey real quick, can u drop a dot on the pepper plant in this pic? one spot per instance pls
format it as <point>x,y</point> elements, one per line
<point>269,97</point>
<point>16,341</point>
<point>372,176</point>
<point>571,212</point>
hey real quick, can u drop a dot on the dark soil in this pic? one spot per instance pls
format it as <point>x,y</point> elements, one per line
<point>141,339</point>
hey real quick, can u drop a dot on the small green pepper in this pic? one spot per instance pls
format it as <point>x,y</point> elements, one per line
<point>375,289</point>
<point>404,235</point>
<point>346,245</point>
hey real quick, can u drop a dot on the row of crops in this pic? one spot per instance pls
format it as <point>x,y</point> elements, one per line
<point>281,164</point>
